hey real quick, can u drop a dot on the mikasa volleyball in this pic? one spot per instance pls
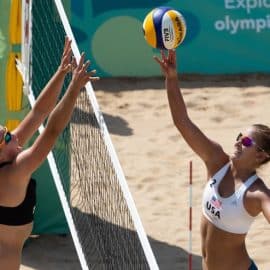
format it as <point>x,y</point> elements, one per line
<point>164,28</point>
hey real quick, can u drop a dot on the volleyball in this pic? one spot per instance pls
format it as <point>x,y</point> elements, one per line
<point>164,28</point>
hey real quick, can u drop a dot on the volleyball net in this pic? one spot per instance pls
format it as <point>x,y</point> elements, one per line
<point>99,209</point>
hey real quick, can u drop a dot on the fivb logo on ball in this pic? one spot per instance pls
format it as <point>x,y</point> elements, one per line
<point>164,28</point>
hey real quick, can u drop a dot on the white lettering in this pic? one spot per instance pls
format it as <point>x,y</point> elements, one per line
<point>251,4</point>
<point>260,24</point>
<point>247,5</point>
<point>268,21</point>
<point>241,4</point>
<point>220,25</point>
<point>228,4</point>
<point>247,24</point>
<point>227,20</point>
<point>233,26</point>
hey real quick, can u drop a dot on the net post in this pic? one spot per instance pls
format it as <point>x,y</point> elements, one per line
<point>26,44</point>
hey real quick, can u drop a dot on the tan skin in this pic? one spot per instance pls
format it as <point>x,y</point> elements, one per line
<point>14,177</point>
<point>220,249</point>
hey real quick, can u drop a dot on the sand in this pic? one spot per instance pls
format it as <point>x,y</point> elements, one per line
<point>155,160</point>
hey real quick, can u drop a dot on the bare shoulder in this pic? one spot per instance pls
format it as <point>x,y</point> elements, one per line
<point>12,187</point>
<point>258,199</point>
<point>254,197</point>
<point>5,173</point>
<point>259,186</point>
<point>258,192</point>
<point>11,176</point>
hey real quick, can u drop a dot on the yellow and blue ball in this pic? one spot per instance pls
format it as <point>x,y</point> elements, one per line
<point>164,28</point>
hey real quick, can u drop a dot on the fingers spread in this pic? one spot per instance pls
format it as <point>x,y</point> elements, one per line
<point>86,65</point>
<point>157,59</point>
<point>162,63</point>
<point>81,61</point>
<point>163,55</point>
<point>171,56</point>
<point>67,45</point>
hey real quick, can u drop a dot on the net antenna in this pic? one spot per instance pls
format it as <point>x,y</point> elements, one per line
<point>102,240</point>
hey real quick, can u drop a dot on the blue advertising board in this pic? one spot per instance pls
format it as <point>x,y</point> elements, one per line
<point>223,36</point>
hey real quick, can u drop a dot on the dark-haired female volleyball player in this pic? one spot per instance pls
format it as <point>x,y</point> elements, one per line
<point>17,189</point>
<point>233,195</point>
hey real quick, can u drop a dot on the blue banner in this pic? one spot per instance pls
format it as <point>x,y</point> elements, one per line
<point>223,36</point>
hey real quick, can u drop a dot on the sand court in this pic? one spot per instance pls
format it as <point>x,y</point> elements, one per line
<point>155,160</point>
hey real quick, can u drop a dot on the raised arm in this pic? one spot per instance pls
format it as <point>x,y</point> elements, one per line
<point>196,139</point>
<point>46,100</point>
<point>29,160</point>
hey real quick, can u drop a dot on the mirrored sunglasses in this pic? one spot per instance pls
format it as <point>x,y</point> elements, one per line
<point>7,137</point>
<point>248,142</point>
<point>245,140</point>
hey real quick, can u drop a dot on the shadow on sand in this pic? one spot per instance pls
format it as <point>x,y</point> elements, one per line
<point>55,252</point>
<point>188,81</point>
<point>115,124</point>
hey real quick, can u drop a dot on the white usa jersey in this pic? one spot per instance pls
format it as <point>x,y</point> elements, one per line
<point>228,214</point>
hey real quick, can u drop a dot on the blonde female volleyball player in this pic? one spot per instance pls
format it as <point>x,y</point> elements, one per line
<point>17,189</point>
<point>234,195</point>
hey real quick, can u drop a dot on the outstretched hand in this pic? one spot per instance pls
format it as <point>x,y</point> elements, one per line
<point>80,74</point>
<point>167,64</point>
<point>66,61</point>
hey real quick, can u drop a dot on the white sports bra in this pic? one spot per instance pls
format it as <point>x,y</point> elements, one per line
<point>228,214</point>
